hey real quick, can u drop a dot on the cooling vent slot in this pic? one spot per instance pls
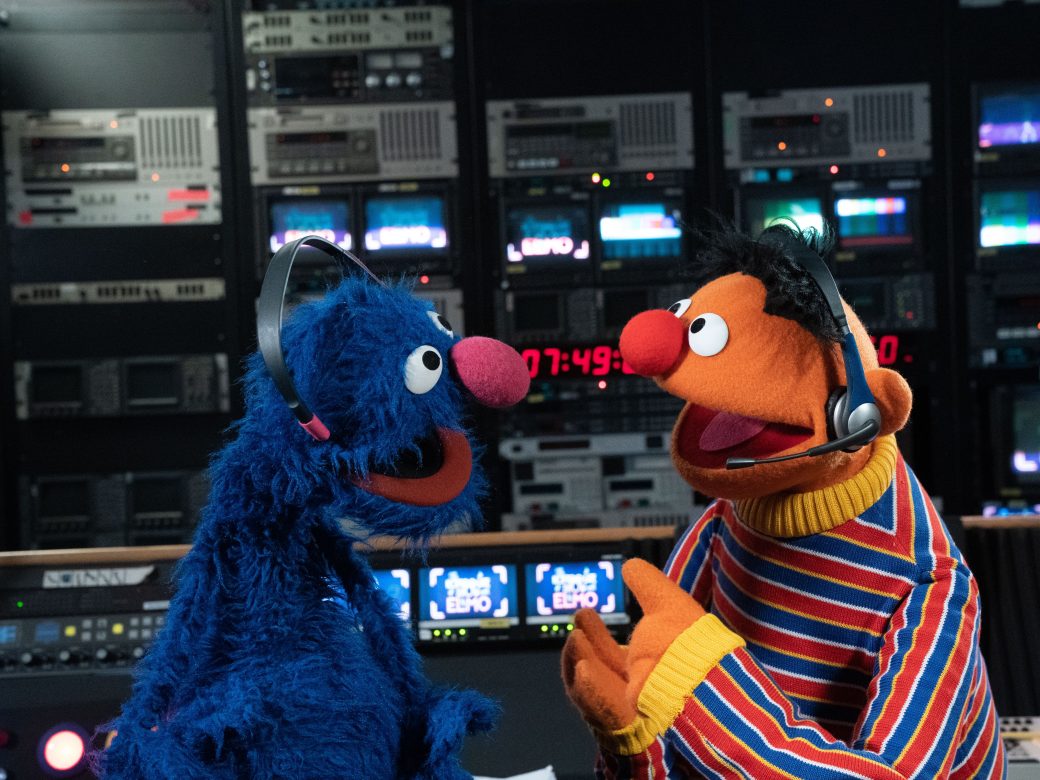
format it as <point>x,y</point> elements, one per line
<point>418,36</point>
<point>410,135</point>
<point>347,38</point>
<point>883,117</point>
<point>278,41</point>
<point>171,142</point>
<point>647,124</point>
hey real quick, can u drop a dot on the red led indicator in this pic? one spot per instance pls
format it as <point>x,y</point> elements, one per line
<point>190,195</point>
<point>602,384</point>
<point>649,175</point>
<point>63,750</point>
<point>834,169</point>
<point>424,279</point>
<point>25,217</point>
<point>179,215</point>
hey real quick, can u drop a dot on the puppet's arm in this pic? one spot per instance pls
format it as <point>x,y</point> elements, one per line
<point>707,708</point>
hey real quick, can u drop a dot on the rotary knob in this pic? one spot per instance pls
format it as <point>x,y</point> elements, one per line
<point>73,656</point>
<point>31,659</point>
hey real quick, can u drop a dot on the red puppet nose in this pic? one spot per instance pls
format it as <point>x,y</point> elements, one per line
<point>652,341</point>
<point>494,372</point>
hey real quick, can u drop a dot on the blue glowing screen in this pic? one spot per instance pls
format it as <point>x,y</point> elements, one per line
<point>405,223</point>
<point>561,589</point>
<point>468,595</point>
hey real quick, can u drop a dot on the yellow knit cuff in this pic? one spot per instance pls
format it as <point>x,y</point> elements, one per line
<point>687,661</point>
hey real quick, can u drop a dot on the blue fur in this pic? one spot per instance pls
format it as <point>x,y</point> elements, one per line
<point>264,669</point>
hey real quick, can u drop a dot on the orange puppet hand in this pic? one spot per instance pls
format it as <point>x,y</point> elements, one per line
<point>631,694</point>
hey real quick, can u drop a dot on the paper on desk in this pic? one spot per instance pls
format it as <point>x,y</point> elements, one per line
<point>538,774</point>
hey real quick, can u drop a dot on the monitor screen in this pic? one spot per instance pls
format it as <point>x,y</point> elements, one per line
<point>1025,434</point>
<point>324,217</point>
<point>405,224</point>
<point>57,384</point>
<point>640,231</point>
<point>874,221</point>
<point>1009,216</point>
<point>461,596</point>
<point>397,584</point>
<point>153,384</point>
<point>548,235</point>
<point>806,212</point>
<point>558,590</point>
<point>1009,116</point>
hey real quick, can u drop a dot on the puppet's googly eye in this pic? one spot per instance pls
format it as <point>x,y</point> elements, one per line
<point>679,307</point>
<point>422,369</point>
<point>441,323</point>
<point>708,334</point>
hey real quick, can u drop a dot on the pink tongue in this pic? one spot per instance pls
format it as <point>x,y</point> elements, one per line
<point>728,430</point>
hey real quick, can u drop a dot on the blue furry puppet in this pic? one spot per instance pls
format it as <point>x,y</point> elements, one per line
<point>280,658</point>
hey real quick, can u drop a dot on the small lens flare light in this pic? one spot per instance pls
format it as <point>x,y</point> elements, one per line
<point>424,279</point>
<point>602,384</point>
<point>155,177</point>
<point>782,145</point>
<point>829,102</point>
<point>596,178</point>
<point>62,751</point>
<point>649,175</point>
<point>64,167</point>
<point>881,152</point>
<point>834,169</point>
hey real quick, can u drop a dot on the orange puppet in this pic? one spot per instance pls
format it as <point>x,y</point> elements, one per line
<point>817,621</point>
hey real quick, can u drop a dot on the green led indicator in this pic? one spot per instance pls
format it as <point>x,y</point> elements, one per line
<point>19,603</point>
<point>436,632</point>
<point>447,632</point>
<point>545,628</point>
<point>556,628</point>
<point>570,626</point>
<point>462,632</point>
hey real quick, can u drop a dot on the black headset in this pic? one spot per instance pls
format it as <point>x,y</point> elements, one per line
<point>269,321</point>
<point>853,418</point>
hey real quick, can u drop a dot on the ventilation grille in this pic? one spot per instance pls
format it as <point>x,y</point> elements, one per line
<point>883,117</point>
<point>410,135</point>
<point>647,124</point>
<point>347,38</point>
<point>171,142</point>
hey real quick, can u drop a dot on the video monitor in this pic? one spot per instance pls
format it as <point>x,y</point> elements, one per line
<point>397,584</point>
<point>640,231</point>
<point>452,597</point>
<point>1025,435</point>
<point>153,384</point>
<point>556,590</point>
<point>805,211</point>
<point>328,218</point>
<point>875,221</point>
<point>406,223</point>
<point>1009,116</point>
<point>1009,215</point>
<point>542,236</point>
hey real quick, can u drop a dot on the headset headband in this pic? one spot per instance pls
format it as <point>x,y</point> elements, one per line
<point>269,320</point>
<point>855,379</point>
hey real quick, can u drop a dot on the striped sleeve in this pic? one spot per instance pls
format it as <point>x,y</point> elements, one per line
<point>689,564</point>
<point>738,723</point>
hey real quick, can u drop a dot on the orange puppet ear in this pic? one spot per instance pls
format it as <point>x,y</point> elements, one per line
<point>893,397</point>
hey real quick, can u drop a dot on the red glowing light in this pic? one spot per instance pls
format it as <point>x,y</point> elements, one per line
<point>192,195</point>
<point>596,178</point>
<point>649,175</point>
<point>25,217</point>
<point>63,750</point>
<point>781,146</point>
<point>881,152</point>
<point>834,169</point>
<point>179,215</point>
<point>65,168</point>
<point>155,177</point>
<point>601,360</point>
<point>424,279</point>
<point>829,102</point>
<point>602,384</point>
<point>888,349</point>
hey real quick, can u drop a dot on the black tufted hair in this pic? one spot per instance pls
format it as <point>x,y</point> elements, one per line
<point>790,291</point>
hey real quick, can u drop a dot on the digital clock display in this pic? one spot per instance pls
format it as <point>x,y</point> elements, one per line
<point>601,360</point>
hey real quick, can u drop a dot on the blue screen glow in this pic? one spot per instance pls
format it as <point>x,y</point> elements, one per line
<point>8,634</point>
<point>397,584</point>
<point>292,219</point>
<point>1010,117</point>
<point>640,231</point>
<point>468,595</point>
<point>547,235</point>
<point>405,223</point>
<point>561,589</point>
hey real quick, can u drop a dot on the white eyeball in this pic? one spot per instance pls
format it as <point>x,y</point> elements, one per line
<point>708,334</point>
<point>679,307</point>
<point>422,369</point>
<point>441,323</point>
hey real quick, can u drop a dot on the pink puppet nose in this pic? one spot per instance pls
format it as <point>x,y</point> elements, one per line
<point>494,372</point>
<point>652,341</point>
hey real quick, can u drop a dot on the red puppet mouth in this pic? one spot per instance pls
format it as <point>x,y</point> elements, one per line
<point>435,475</point>
<point>708,437</point>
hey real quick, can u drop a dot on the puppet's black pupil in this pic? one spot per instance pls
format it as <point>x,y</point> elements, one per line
<point>431,360</point>
<point>444,323</point>
<point>674,308</point>
<point>697,325</point>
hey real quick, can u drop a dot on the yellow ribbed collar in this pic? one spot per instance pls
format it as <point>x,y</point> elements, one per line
<point>817,511</point>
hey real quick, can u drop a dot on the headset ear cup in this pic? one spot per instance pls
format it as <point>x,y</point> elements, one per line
<point>836,424</point>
